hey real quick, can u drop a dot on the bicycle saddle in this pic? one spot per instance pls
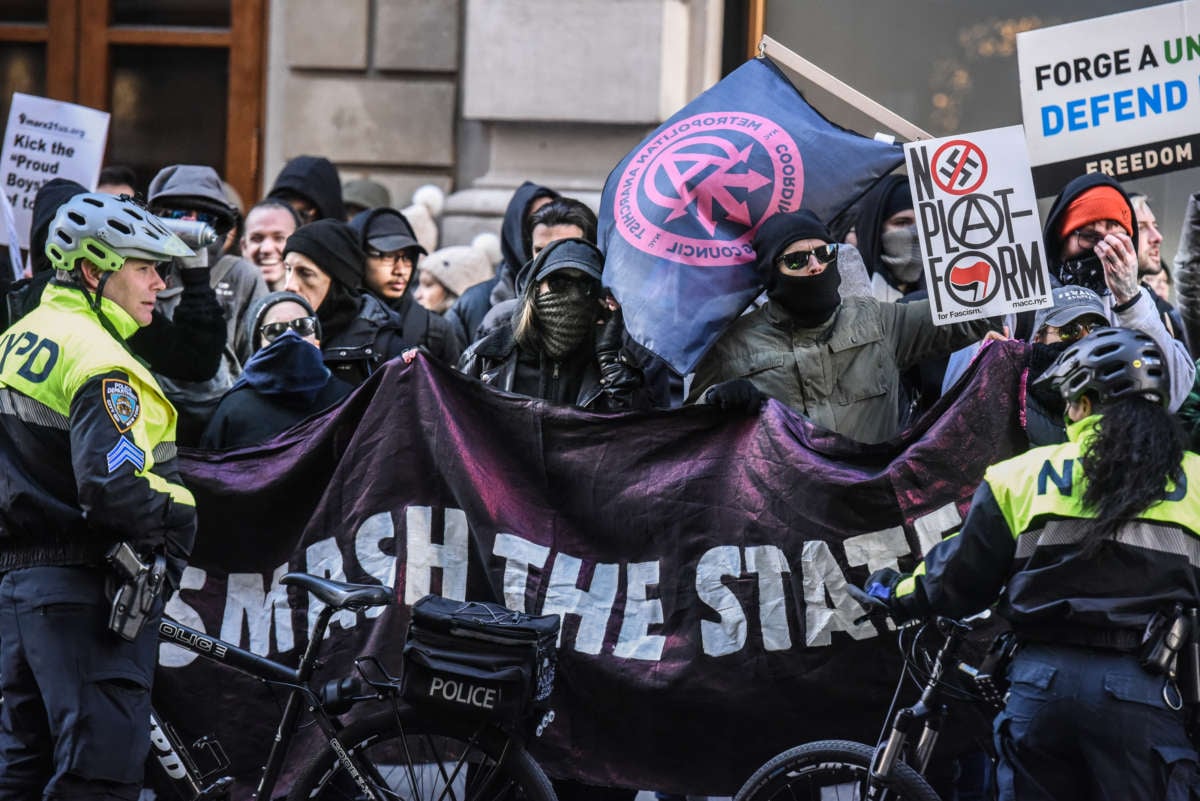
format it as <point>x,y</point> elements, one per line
<point>341,595</point>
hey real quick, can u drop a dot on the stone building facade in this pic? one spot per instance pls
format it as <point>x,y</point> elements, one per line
<point>477,96</point>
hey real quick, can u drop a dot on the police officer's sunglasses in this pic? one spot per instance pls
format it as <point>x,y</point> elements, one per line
<point>304,326</point>
<point>799,260</point>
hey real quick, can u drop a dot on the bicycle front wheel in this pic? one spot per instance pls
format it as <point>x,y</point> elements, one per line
<point>408,756</point>
<point>832,770</point>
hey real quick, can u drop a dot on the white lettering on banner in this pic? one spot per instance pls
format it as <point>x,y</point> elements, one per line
<point>177,609</point>
<point>257,616</point>
<point>823,578</point>
<point>368,549</point>
<point>1138,161</point>
<point>770,564</point>
<point>933,527</point>
<point>324,558</point>
<point>728,634</point>
<point>519,555</point>
<point>641,612</point>
<point>877,550</point>
<point>248,603</point>
<point>592,606</point>
<point>423,555</point>
<point>462,693</point>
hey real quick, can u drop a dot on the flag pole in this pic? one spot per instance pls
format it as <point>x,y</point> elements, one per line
<point>840,89</point>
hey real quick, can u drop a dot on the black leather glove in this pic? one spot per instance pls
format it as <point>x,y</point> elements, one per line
<point>738,395</point>
<point>615,373</point>
<point>610,338</point>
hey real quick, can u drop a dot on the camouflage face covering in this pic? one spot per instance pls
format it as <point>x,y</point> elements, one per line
<point>563,319</point>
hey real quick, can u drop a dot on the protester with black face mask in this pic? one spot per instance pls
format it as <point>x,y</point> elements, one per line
<point>564,342</point>
<point>284,381</point>
<point>835,360</point>
<point>1091,240</point>
<point>886,232</point>
<point>1076,313</point>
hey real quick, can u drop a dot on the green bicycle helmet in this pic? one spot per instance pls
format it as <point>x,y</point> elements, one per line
<point>106,231</point>
<point>1112,363</point>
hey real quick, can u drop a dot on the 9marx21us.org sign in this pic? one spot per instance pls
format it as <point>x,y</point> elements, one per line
<point>977,225</point>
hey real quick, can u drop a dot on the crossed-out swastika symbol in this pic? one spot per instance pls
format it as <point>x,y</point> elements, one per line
<point>959,167</point>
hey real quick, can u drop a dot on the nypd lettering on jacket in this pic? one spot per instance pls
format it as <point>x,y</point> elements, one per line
<point>37,355</point>
<point>1062,477</point>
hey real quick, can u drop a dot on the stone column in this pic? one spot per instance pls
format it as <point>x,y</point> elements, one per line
<point>371,85</point>
<point>558,91</point>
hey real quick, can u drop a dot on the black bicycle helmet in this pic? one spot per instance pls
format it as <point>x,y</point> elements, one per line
<point>1111,363</point>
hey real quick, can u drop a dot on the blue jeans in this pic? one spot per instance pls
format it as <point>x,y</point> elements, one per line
<point>1083,723</point>
<point>76,715</point>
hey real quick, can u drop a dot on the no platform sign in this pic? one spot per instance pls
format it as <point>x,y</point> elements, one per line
<point>977,224</point>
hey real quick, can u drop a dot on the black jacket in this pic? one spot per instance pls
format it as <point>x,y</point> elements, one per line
<point>1022,542</point>
<point>420,326</point>
<point>497,360</point>
<point>373,336</point>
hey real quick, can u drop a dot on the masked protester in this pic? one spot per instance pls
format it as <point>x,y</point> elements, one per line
<point>284,382</point>
<point>325,266</point>
<point>564,342</point>
<point>886,232</point>
<point>837,361</point>
<point>1076,313</point>
<point>1091,240</point>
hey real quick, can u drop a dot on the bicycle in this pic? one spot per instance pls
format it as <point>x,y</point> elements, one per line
<point>396,752</point>
<point>831,770</point>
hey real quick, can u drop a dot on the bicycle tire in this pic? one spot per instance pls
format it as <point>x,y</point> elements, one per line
<point>416,758</point>
<point>831,770</point>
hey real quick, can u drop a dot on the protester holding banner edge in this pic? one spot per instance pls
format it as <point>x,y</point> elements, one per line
<point>837,361</point>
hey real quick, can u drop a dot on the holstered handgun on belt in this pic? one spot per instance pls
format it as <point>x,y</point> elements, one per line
<point>140,586</point>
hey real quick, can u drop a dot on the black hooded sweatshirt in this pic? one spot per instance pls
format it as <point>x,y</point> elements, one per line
<point>420,326</point>
<point>1054,241</point>
<point>314,178</point>
<point>1050,236</point>
<point>869,227</point>
<point>468,311</point>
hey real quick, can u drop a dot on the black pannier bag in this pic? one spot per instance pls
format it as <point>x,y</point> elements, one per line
<point>478,659</point>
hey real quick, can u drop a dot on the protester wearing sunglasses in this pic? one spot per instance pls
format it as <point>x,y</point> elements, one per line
<point>284,381</point>
<point>835,360</point>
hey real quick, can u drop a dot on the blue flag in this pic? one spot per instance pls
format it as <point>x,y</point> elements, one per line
<point>678,213</point>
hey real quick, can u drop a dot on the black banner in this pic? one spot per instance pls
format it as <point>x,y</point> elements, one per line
<point>699,559</point>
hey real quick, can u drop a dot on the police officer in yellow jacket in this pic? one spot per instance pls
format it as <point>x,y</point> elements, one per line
<point>1083,543</point>
<point>87,455</point>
